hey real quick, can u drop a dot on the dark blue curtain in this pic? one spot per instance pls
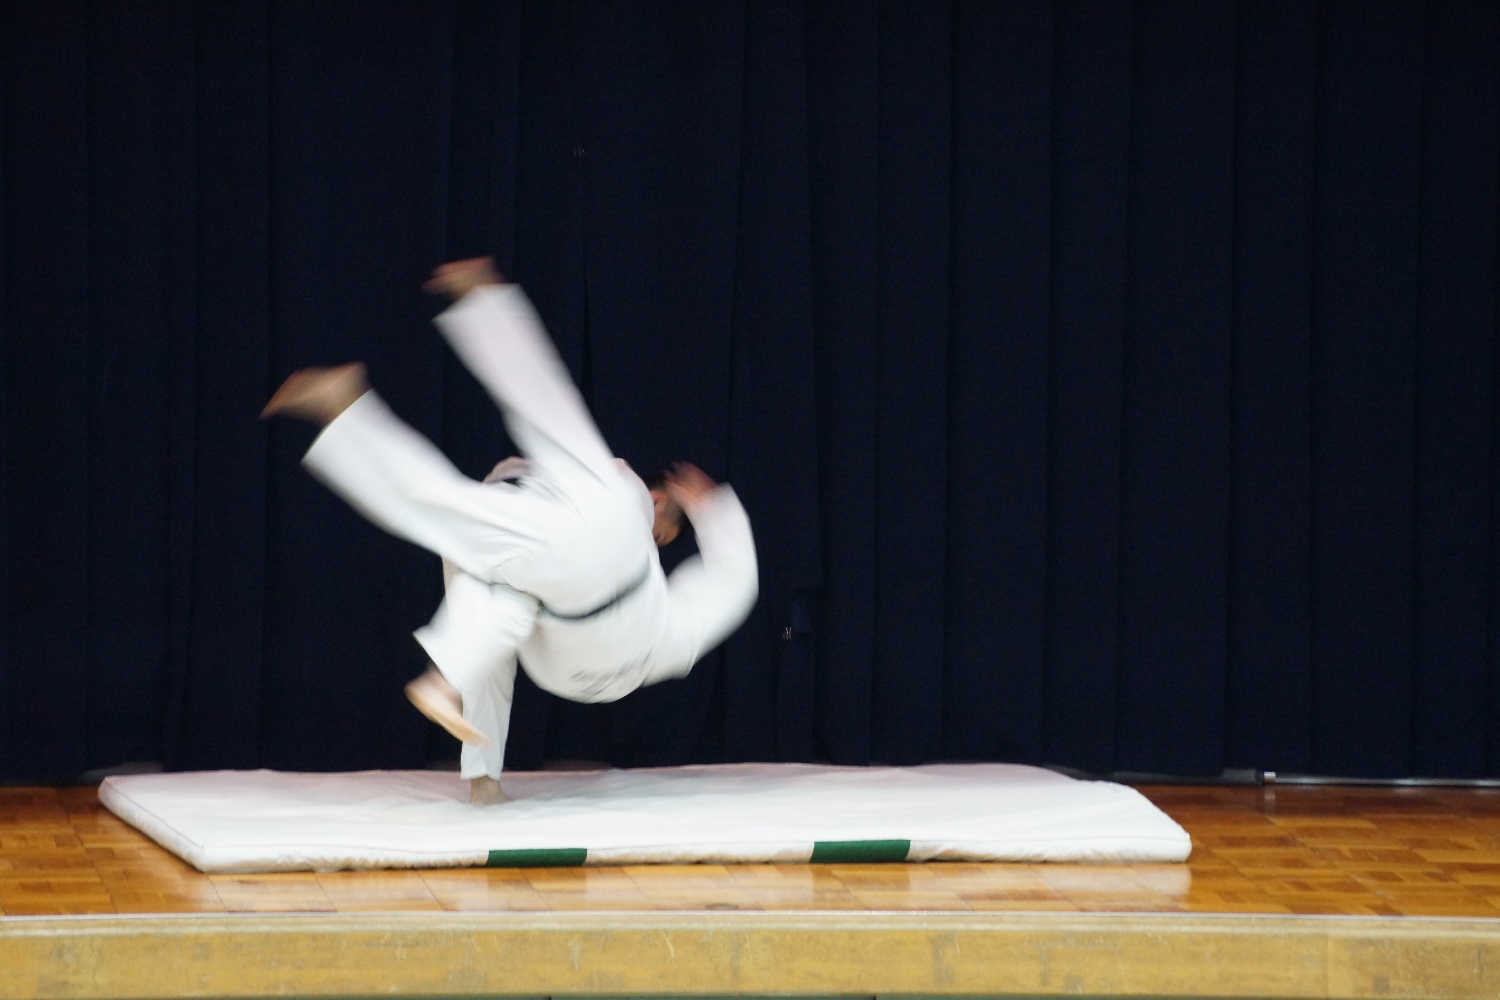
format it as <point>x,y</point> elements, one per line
<point>1110,385</point>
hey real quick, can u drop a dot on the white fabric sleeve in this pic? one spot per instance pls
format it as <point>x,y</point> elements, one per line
<point>710,594</point>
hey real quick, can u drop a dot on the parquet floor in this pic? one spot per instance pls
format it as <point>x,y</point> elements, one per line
<point>1273,850</point>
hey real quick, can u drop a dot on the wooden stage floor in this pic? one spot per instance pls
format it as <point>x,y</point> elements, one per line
<point>1388,852</point>
<point>1429,857</point>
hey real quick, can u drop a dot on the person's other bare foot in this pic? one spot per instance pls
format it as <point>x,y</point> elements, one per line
<point>460,277</point>
<point>439,701</point>
<point>485,791</point>
<point>318,395</point>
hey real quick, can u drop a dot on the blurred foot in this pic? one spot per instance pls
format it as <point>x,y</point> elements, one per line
<point>439,701</point>
<point>485,791</point>
<point>460,277</point>
<point>318,395</point>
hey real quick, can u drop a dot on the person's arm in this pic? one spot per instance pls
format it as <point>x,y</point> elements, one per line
<point>711,594</point>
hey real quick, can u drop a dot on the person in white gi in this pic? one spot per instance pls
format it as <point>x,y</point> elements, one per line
<point>553,557</point>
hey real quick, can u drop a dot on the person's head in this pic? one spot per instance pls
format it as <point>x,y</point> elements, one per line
<point>667,523</point>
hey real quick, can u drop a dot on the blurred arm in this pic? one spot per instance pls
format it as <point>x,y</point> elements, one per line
<point>710,595</point>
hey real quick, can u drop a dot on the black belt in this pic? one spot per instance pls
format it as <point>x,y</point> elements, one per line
<point>619,596</point>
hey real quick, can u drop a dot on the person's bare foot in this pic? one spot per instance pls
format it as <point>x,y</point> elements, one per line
<point>318,395</point>
<point>485,791</point>
<point>460,277</point>
<point>437,699</point>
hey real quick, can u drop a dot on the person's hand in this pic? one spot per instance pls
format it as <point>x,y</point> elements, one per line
<point>460,277</point>
<point>689,485</point>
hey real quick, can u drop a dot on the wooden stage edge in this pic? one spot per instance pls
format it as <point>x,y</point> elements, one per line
<point>748,953</point>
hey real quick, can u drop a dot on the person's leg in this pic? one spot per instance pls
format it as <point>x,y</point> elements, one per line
<point>497,334</point>
<point>472,641</point>
<point>602,545</point>
<point>401,482</point>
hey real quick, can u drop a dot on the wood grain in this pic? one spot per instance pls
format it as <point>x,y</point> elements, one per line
<point>720,954</point>
<point>1248,915</point>
<point>1334,851</point>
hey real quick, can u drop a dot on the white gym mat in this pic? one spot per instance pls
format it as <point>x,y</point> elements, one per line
<point>267,821</point>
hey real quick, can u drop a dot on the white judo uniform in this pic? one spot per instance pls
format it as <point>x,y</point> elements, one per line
<point>560,569</point>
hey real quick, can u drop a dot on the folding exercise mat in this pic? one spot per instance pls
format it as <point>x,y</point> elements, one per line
<point>264,821</point>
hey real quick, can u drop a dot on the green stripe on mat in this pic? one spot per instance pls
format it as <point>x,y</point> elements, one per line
<point>824,852</point>
<point>845,852</point>
<point>556,857</point>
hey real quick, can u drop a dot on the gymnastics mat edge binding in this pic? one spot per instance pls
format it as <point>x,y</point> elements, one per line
<point>262,821</point>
